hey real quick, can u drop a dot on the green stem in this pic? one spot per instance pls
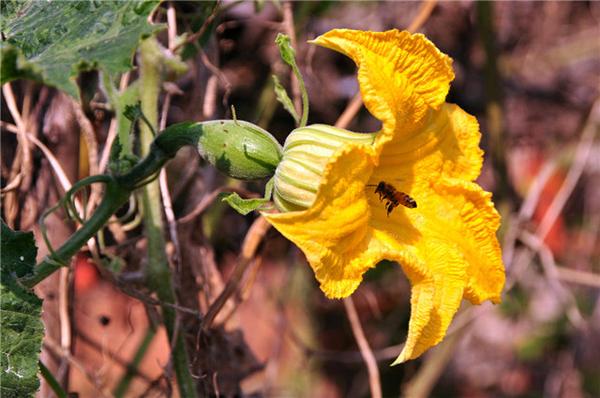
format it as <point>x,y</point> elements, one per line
<point>304,94</point>
<point>52,382</point>
<point>114,197</point>
<point>117,192</point>
<point>494,111</point>
<point>150,81</point>
<point>158,274</point>
<point>119,101</point>
<point>123,385</point>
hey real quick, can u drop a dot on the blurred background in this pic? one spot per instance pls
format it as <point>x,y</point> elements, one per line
<point>529,72</point>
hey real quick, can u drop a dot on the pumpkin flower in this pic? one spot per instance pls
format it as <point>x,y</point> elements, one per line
<point>428,151</point>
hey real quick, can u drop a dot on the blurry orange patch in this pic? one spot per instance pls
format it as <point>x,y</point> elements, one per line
<point>557,235</point>
<point>108,327</point>
<point>85,274</point>
<point>526,165</point>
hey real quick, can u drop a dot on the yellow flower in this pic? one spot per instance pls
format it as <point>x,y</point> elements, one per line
<point>427,149</point>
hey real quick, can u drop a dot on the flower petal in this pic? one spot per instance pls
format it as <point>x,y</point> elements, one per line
<point>446,145</point>
<point>441,296</point>
<point>401,75</point>
<point>486,275</point>
<point>333,233</point>
<point>453,247</point>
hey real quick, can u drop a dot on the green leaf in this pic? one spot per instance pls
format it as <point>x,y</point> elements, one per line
<point>241,205</point>
<point>18,252</point>
<point>284,99</point>
<point>120,102</point>
<point>133,112</point>
<point>245,206</point>
<point>21,328</point>
<point>15,66</point>
<point>20,344</point>
<point>288,55</point>
<point>17,257</point>
<point>57,40</point>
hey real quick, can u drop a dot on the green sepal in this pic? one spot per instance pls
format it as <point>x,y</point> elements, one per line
<point>284,99</point>
<point>245,206</point>
<point>269,188</point>
<point>241,205</point>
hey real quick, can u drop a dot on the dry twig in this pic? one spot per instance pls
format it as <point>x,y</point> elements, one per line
<point>192,38</point>
<point>54,163</point>
<point>551,273</point>
<point>55,348</point>
<point>350,112</point>
<point>356,103</point>
<point>257,231</point>
<point>64,317</point>
<point>22,136</point>
<point>423,15</point>
<point>89,137</point>
<point>580,277</point>
<point>581,157</point>
<point>220,75</point>
<point>21,169</point>
<point>365,349</point>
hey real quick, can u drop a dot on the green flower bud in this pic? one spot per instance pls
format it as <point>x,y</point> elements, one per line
<point>239,149</point>
<point>306,152</point>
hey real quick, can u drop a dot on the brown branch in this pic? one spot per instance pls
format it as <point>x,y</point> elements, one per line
<point>220,76</point>
<point>83,338</point>
<point>21,168</point>
<point>356,102</point>
<point>193,37</point>
<point>549,266</point>
<point>423,15</point>
<point>581,157</point>
<point>365,350</point>
<point>57,350</point>
<point>350,112</point>
<point>257,231</point>
<point>64,318</point>
<point>580,277</point>
<point>22,137</point>
<point>210,98</point>
<point>526,211</point>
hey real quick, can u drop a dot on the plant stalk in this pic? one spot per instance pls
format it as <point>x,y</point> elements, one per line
<point>157,272</point>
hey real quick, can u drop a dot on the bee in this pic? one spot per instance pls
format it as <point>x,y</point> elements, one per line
<point>393,197</point>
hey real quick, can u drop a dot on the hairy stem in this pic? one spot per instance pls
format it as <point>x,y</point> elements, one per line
<point>158,274</point>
